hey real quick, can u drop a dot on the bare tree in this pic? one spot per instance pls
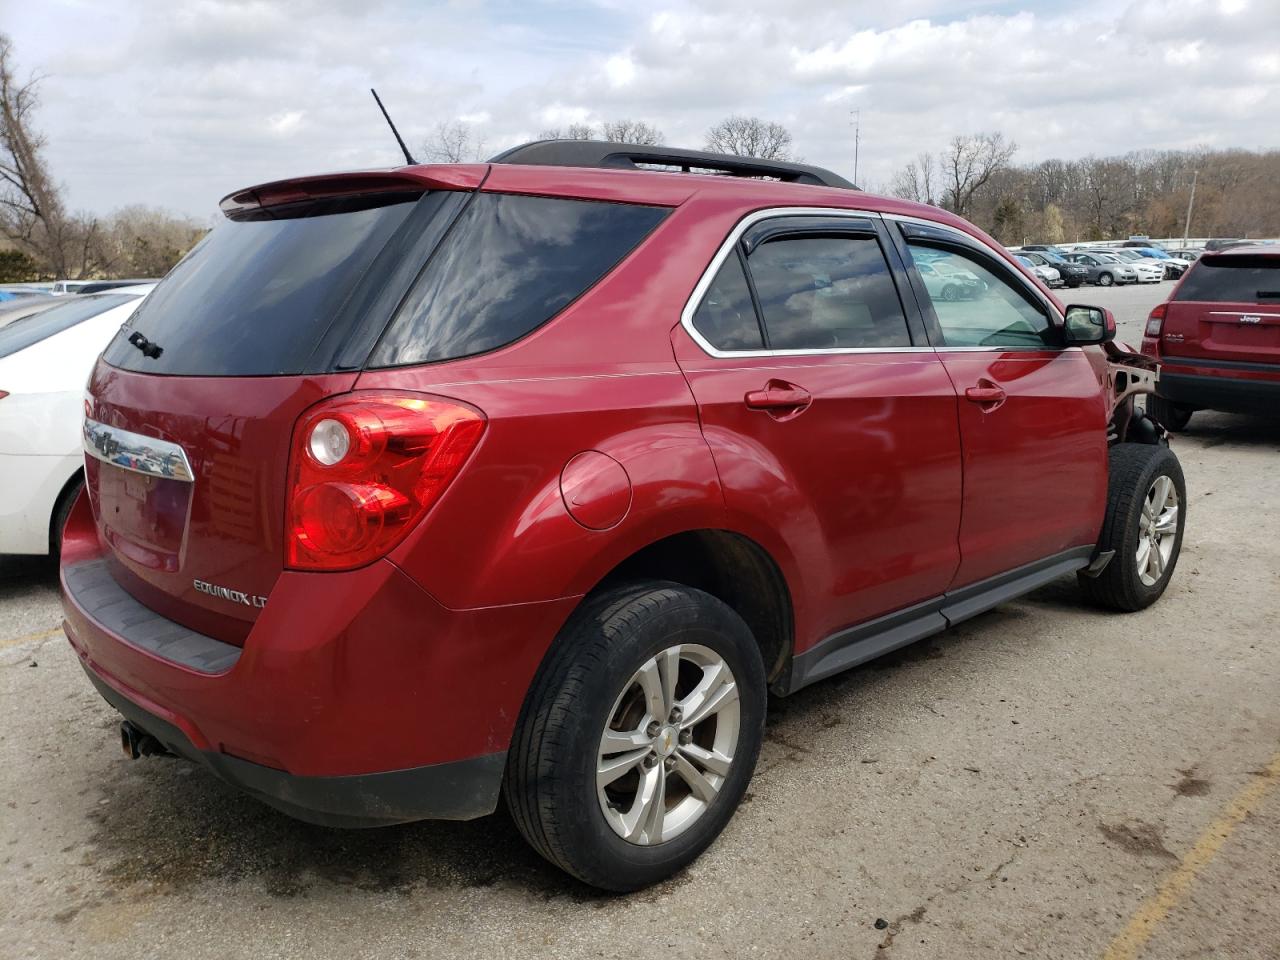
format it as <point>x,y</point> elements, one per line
<point>969,162</point>
<point>575,131</point>
<point>140,241</point>
<point>31,211</point>
<point>453,141</point>
<point>750,137</point>
<point>916,180</point>
<point>630,131</point>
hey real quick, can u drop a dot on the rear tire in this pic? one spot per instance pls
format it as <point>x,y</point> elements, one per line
<point>1143,525</point>
<point>60,514</point>
<point>593,710</point>
<point>1170,415</point>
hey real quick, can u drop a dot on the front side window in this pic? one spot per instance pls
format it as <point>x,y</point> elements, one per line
<point>988,311</point>
<point>829,292</point>
<point>726,318</point>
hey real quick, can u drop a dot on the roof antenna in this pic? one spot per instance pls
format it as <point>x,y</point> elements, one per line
<point>399,139</point>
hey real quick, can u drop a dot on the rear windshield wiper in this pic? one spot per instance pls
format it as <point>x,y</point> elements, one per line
<point>1268,294</point>
<point>148,348</point>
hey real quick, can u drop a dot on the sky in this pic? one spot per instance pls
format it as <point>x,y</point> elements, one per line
<point>177,103</point>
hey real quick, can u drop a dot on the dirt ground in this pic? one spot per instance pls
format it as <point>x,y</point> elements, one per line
<point>1046,780</point>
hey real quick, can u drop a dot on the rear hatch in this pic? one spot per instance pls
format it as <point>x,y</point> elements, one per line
<point>191,408</point>
<point>1227,307</point>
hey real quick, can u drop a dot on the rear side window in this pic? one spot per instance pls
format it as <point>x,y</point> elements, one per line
<point>28,331</point>
<point>255,296</point>
<point>509,265</point>
<point>820,293</point>
<point>726,318</point>
<point>1232,279</point>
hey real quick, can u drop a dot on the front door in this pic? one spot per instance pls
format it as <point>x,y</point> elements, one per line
<point>827,422</point>
<point>1033,421</point>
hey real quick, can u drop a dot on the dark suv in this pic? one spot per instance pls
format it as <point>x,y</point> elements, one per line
<point>410,489</point>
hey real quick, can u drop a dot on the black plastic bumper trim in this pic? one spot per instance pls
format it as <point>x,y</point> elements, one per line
<point>91,587</point>
<point>460,790</point>
<point>1230,394</point>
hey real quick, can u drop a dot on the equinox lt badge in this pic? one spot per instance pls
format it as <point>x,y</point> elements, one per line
<point>223,593</point>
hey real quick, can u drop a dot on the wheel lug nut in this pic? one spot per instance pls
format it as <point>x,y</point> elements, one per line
<point>669,763</point>
<point>650,761</point>
<point>676,715</point>
<point>686,736</point>
<point>653,728</point>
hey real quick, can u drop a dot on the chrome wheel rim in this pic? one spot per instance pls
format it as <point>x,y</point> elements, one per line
<point>1157,530</point>
<point>668,744</point>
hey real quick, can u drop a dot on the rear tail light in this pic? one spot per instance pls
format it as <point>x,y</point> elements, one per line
<point>1156,320</point>
<point>364,468</point>
<point>3,394</point>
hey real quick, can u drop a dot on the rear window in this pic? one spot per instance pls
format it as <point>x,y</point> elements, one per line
<point>510,264</point>
<point>255,296</point>
<point>1232,279</point>
<point>27,331</point>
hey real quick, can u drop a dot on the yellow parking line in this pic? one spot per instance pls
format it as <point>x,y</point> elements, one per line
<point>31,638</point>
<point>1143,923</point>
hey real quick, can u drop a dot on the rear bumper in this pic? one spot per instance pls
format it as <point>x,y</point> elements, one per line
<point>461,790</point>
<point>357,698</point>
<point>1220,386</point>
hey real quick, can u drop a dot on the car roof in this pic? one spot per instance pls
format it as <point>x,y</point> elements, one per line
<point>1253,250</point>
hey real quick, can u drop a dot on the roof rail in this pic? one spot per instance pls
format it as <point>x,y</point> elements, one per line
<point>633,156</point>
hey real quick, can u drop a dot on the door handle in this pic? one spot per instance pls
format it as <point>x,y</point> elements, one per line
<point>986,394</point>
<point>779,399</point>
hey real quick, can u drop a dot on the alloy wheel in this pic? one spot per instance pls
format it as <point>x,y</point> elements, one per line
<point>668,744</point>
<point>1157,530</point>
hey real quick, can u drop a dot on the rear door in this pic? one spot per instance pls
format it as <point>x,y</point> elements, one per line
<point>1033,420</point>
<point>827,419</point>
<point>1226,308</point>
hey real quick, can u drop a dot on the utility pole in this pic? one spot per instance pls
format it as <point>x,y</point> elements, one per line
<point>857,136</point>
<point>1186,227</point>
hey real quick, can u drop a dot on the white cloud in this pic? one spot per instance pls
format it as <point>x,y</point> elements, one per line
<point>179,104</point>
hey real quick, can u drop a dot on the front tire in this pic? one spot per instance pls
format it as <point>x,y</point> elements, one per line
<point>639,735</point>
<point>1105,280</point>
<point>1170,415</point>
<point>1143,525</point>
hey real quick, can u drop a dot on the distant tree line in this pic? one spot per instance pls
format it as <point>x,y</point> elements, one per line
<point>41,238</point>
<point>1145,192</point>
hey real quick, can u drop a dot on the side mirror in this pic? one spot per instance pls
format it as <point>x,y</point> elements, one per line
<point>1086,325</point>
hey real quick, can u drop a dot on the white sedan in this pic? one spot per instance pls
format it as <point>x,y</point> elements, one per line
<point>45,361</point>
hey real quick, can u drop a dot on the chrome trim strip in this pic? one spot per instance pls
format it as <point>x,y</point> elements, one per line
<point>708,275</point>
<point>1242,313</point>
<point>141,454</point>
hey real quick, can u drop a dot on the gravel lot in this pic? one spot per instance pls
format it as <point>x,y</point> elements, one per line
<point>1046,780</point>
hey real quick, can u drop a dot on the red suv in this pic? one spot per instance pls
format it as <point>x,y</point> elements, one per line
<point>410,489</point>
<point>1218,337</point>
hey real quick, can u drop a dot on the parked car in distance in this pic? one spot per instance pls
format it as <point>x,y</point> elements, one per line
<point>946,281</point>
<point>61,288</point>
<point>1218,338</point>
<point>1073,274</point>
<point>25,306</point>
<point>1046,274</point>
<point>461,513</point>
<point>1185,254</point>
<point>45,359</point>
<point>1104,269</point>
<point>98,286</point>
<point>1174,267</point>
<point>1045,248</point>
<point>1148,270</point>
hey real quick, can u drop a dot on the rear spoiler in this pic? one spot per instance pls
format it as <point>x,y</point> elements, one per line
<point>428,176</point>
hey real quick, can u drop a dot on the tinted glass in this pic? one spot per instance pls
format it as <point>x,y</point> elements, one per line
<point>26,331</point>
<point>510,264</point>
<point>254,297</point>
<point>823,292</point>
<point>986,310</point>
<point>1234,279</point>
<point>726,317</point>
